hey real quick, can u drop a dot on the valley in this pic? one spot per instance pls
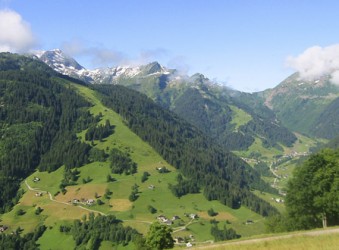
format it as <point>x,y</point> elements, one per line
<point>152,125</point>
<point>223,165</point>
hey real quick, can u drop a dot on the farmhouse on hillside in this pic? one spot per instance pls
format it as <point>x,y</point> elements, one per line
<point>3,228</point>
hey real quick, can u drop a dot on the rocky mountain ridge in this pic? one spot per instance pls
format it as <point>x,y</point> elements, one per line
<point>66,65</point>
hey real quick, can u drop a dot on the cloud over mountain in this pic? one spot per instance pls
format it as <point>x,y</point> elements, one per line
<point>16,34</point>
<point>100,56</point>
<point>317,61</point>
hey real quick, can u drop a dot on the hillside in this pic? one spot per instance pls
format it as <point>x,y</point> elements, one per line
<point>71,141</point>
<point>38,113</point>
<point>202,162</point>
<point>234,119</point>
<point>308,107</point>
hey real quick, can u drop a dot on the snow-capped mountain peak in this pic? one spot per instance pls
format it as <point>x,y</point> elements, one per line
<point>66,65</point>
<point>59,61</point>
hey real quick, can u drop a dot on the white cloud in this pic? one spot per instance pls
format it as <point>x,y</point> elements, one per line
<point>317,61</point>
<point>146,56</point>
<point>179,63</point>
<point>99,56</point>
<point>335,77</point>
<point>16,34</point>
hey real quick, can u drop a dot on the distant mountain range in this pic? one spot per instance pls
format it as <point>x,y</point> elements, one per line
<point>235,119</point>
<point>66,65</point>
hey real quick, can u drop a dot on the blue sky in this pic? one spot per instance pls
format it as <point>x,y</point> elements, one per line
<point>241,43</point>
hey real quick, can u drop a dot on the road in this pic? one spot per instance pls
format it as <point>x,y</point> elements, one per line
<point>61,202</point>
<point>69,204</point>
<point>178,229</point>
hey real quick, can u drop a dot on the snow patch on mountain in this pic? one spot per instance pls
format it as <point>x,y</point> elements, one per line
<point>124,75</point>
<point>66,65</point>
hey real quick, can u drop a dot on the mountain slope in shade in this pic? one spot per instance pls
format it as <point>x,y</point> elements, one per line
<point>309,107</point>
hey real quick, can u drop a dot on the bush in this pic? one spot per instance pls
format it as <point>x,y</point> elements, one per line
<point>211,212</point>
<point>100,202</point>
<point>145,177</point>
<point>151,209</point>
<point>38,210</point>
<point>20,212</point>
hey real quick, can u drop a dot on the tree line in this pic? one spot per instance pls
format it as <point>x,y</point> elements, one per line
<point>95,229</point>
<point>16,241</point>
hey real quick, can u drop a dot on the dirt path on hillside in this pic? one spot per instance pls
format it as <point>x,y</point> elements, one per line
<point>311,233</point>
<point>68,204</point>
<point>178,229</point>
<point>60,202</point>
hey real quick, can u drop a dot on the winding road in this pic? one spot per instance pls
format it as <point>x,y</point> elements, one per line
<point>61,202</point>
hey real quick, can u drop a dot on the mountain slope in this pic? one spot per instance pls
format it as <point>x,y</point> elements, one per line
<point>209,107</point>
<point>203,163</point>
<point>37,113</point>
<point>309,107</point>
<point>215,110</point>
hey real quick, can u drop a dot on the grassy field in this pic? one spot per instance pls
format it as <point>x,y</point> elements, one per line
<point>281,242</point>
<point>270,198</point>
<point>240,117</point>
<point>47,181</point>
<point>54,239</point>
<point>257,146</point>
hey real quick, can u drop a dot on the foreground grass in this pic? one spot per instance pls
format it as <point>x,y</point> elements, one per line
<point>307,240</point>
